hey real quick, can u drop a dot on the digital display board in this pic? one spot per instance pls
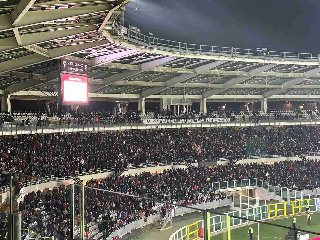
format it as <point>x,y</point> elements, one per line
<point>74,89</point>
<point>75,67</point>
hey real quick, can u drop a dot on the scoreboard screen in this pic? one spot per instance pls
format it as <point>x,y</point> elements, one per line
<point>74,89</point>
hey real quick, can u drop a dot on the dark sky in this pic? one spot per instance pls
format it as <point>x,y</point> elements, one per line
<point>285,25</point>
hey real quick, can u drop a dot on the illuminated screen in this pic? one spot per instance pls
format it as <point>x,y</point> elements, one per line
<point>74,89</point>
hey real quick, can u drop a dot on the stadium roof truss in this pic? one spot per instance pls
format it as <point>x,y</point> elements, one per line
<point>34,34</point>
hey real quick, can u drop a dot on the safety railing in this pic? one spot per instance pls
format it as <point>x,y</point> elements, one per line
<point>283,192</point>
<point>257,213</point>
<point>132,34</point>
<point>216,223</point>
<point>13,129</point>
<point>177,212</point>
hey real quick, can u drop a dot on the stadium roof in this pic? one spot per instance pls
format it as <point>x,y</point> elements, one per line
<point>129,65</point>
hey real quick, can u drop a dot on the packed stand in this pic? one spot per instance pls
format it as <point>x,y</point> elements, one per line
<point>63,155</point>
<point>179,186</point>
<point>48,212</point>
<point>41,119</point>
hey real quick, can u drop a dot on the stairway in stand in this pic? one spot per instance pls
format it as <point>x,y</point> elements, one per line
<point>163,223</point>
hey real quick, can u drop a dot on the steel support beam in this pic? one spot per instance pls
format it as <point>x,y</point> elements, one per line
<point>22,75</point>
<point>34,81</point>
<point>171,82</point>
<point>91,95</point>
<point>143,67</point>
<point>36,38</point>
<point>8,43</point>
<point>55,53</point>
<point>227,98</point>
<point>290,83</point>
<point>197,85</point>
<point>36,49</point>
<point>190,54</point>
<point>114,78</point>
<point>98,81</point>
<point>38,17</point>
<point>210,72</point>
<point>112,57</point>
<point>238,80</point>
<point>17,36</point>
<point>120,3</point>
<point>21,9</point>
<point>62,2</point>
<point>149,65</point>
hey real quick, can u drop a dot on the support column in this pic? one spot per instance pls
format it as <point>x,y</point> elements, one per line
<point>142,105</point>
<point>264,105</point>
<point>14,226</point>
<point>9,104</point>
<point>125,108</point>
<point>164,104</point>
<point>203,106</point>
<point>206,227</point>
<point>72,219</point>
<point>74,108</point>
<point>6,103</point>
<point>178,110</point>
<point>82,227</point>
<point>47,104</point>
<point>174,109</point>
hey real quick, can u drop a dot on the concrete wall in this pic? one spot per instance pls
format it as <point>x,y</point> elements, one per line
<point>264,194</point>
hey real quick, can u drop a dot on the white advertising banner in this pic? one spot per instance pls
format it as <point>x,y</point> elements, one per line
<point>175,121</point>
<point>318,204</point>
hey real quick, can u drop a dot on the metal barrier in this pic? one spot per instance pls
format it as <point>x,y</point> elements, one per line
<point>193,230</point>
<point>216,223</point>
<point>132,35</point>
<point>256,213</point>
<point>102,126</point>
<point>178,212</point>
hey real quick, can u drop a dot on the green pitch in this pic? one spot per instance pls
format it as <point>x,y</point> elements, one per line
<point>271,232</point>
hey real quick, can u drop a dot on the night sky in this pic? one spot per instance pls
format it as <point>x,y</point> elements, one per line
<point>284,25</point>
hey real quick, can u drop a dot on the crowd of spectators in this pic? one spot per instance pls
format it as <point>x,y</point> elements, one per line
<point>187,186</point>
<point>41,119</point>
<point>114,211</point>
<point>72,118</point>
<point>63,155</point>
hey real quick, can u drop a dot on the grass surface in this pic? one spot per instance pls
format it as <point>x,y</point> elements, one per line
<point>271,232</point>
